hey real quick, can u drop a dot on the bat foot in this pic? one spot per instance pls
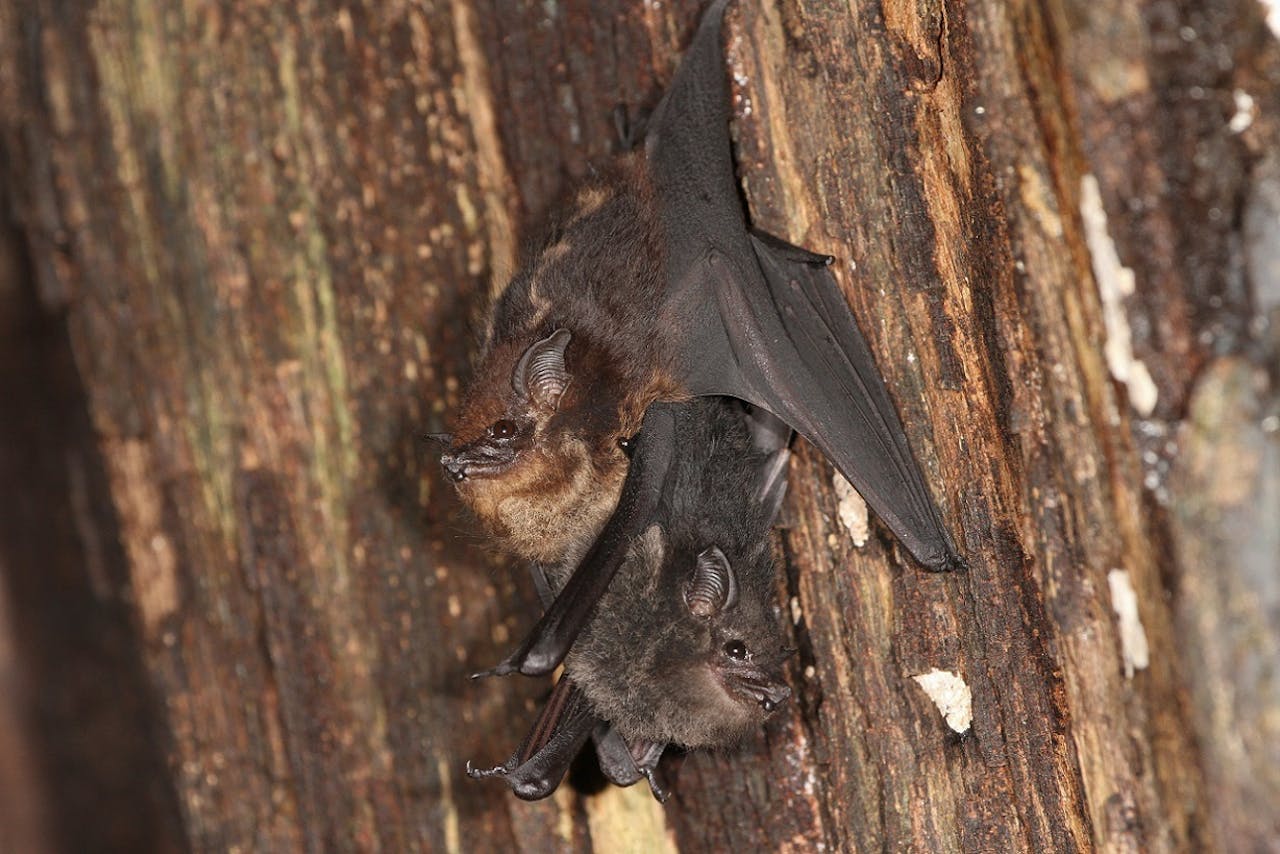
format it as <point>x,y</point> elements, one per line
<point>950,562</point>
<point>481,773</point>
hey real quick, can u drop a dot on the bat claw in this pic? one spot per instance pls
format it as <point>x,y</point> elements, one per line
<point>951,563</point>
<point>481,773</point>
<point>503,669</point>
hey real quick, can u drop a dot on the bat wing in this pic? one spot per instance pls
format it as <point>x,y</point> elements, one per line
<point>535,770</point>
<point>765,321</point>
<point>625,765</point>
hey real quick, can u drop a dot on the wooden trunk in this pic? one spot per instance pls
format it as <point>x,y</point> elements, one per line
<point>245,252</point>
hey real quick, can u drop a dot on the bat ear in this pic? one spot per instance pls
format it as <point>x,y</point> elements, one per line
<point>771,487</point>
<point>540,377</point>
<point>713,587</point>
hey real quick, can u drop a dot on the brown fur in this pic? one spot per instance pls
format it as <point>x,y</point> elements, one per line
<point>600,275</point>
<point>548,502</point>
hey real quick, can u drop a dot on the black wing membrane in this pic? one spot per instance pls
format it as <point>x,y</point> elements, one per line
<point>765,321</point>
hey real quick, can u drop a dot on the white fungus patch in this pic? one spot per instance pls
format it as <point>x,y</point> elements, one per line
<point>1243,117</point>
<point>1133,639</point>
<point>1272,8</point>
<point>1115,282</point>
<point>852,510</point>
<point>951,694</point>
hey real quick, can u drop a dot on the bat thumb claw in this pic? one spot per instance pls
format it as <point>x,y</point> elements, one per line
<point>480,773</point>
<point>503,669</point>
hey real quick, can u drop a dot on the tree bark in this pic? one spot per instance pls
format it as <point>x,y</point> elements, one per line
<point>265,232</point>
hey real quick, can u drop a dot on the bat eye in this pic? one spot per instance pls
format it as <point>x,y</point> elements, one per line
<point>503,429</point>
<point>628,446</point>
<point>736,650</point>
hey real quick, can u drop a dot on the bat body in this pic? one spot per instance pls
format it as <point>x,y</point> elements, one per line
<point>697,582</point>
<point>683,646</point>
<point>574,355</point>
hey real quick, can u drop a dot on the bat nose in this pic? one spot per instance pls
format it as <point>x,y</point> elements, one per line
<point>454,466</point>
<point>774,695</point>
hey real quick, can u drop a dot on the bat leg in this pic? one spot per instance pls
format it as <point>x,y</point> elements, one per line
<point>616,762</point>
<point>648,757</point>
<point>549,642</point>
<point>535,770</point>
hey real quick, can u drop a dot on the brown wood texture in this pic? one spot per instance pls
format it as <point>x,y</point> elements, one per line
<point>253,242</point>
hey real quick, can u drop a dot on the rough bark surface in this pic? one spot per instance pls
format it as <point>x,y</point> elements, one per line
<point>246,247</point>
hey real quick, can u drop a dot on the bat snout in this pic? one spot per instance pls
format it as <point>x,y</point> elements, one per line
<point>754,684</point>
<point>454,468</point>
<point>474,462</point>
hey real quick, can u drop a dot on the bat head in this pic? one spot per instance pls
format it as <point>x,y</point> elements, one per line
<point>693,656</point>
<point>499,424</point>
<point>743,647</point>
<point>536,471</point>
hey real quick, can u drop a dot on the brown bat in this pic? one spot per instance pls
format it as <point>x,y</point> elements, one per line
<point>654,288</point>
<point>574,355</point>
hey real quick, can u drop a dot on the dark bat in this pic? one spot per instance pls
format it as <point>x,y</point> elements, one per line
<point>683,646</point>
<point>594,333</point>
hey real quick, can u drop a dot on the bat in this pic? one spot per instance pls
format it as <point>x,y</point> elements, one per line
<point>683,647</point>
<point>654,288</point>
<point>594,335</point>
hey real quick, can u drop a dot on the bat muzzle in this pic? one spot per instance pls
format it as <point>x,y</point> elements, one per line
<point>752,683</point>
<point>467,463</point>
